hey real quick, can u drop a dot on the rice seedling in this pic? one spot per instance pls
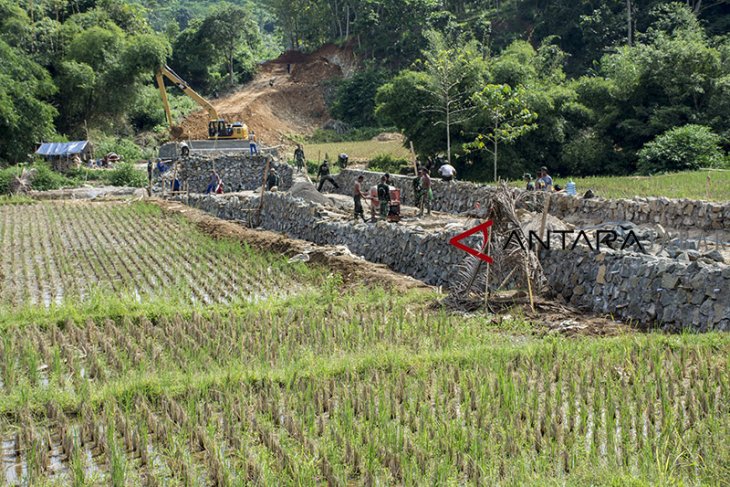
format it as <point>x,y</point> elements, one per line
<point>319,385</point>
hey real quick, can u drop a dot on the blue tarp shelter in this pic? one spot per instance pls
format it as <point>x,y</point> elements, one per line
<point>63,149</point>
<point>61,154</point>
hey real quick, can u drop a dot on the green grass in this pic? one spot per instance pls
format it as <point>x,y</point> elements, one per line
<point>16,200</point>
<point>691,185</point>
<point>357,151</point>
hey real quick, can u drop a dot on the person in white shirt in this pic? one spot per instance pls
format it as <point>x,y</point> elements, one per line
<point>447,172</point>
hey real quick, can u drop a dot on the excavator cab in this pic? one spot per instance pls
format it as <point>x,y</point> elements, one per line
<point>219,129</point>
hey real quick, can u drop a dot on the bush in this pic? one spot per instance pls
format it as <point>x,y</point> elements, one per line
<point>125,174</point>
<point>46,179</point>
<point>388,163</point>
<point>355,99</point>
<point>681,149</point>
<point>6,177</point>
<point>126,148</point>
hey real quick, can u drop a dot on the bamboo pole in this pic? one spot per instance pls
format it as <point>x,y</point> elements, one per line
<point>486,285</point>
<point>415,159</point>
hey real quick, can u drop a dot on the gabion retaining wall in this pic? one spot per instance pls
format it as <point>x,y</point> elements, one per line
<point>632,286</point>
<point>642,288</point>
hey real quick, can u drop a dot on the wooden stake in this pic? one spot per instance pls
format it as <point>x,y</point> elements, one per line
<point>415,160</point>
<point>529,285</point>
<point>545,210</point>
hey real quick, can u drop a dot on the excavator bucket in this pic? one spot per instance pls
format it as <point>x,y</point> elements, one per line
<point>177,133</point>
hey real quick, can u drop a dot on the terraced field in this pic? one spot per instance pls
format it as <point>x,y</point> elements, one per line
<point>270,373</point>
<point>54,253</point>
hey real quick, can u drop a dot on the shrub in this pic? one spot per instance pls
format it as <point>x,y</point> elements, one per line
<point>355,98</point>
<point>126,148</point>
<point>681,149</point>
<point>322,136</point>
<point>125,174</point>
<point>46,179</point>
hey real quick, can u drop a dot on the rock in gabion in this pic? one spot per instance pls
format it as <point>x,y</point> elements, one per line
<point>240,172</point>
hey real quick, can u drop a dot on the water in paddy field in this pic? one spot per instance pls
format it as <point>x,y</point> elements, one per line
<point>14,469</point>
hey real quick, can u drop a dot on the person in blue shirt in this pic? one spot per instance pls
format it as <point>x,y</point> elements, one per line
<point>545,182</point>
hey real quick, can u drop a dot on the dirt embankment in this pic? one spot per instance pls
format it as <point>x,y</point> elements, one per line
<point>286,97</point>
<point>353,270</point>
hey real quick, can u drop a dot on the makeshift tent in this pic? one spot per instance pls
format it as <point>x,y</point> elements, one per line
<point>60,154</point>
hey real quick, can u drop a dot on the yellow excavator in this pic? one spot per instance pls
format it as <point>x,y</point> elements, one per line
<point>218,129</point>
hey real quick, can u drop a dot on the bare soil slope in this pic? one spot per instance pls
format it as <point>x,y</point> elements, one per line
<point>277,104</point>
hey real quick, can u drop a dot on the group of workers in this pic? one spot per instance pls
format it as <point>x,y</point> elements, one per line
<point>544,181</point>
<point>159,169</point>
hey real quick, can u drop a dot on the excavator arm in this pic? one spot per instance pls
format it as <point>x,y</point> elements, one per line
<point>172,76</point>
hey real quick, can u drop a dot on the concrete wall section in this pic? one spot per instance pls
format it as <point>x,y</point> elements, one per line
<point>458,197</point>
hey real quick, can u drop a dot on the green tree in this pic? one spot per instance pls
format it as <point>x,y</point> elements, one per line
<point>228,30</point>
<point>355,99</point>
<point>507,118</point>
<point>399,103</point>
<point>453,75</point>
<point>25,115</point>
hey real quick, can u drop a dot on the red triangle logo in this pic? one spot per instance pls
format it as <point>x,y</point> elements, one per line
<point>484,228</point>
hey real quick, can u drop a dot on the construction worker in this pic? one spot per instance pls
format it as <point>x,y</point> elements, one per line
<point>252,143</point>
<point>545,183</point>
<point>426,193</point>
<point>324,175</point>
<point>299,157</point>
<point>272,181</point>
<point>529,184</point>
<point>447,172</point>
<point>357,196</point>
<point>215,181</point>
<point>149,171</point>
<point>184,149</point>
<point>342,160</point>
<point>417,188</point>
<point>384,196</point>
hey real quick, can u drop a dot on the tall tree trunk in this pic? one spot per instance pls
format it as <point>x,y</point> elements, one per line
<point>230,68</point>
<point>347,24</point>
<point>448,131</point>
<point>630,19</point>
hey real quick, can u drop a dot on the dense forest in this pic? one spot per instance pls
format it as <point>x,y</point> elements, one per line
<point>498,86</point>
